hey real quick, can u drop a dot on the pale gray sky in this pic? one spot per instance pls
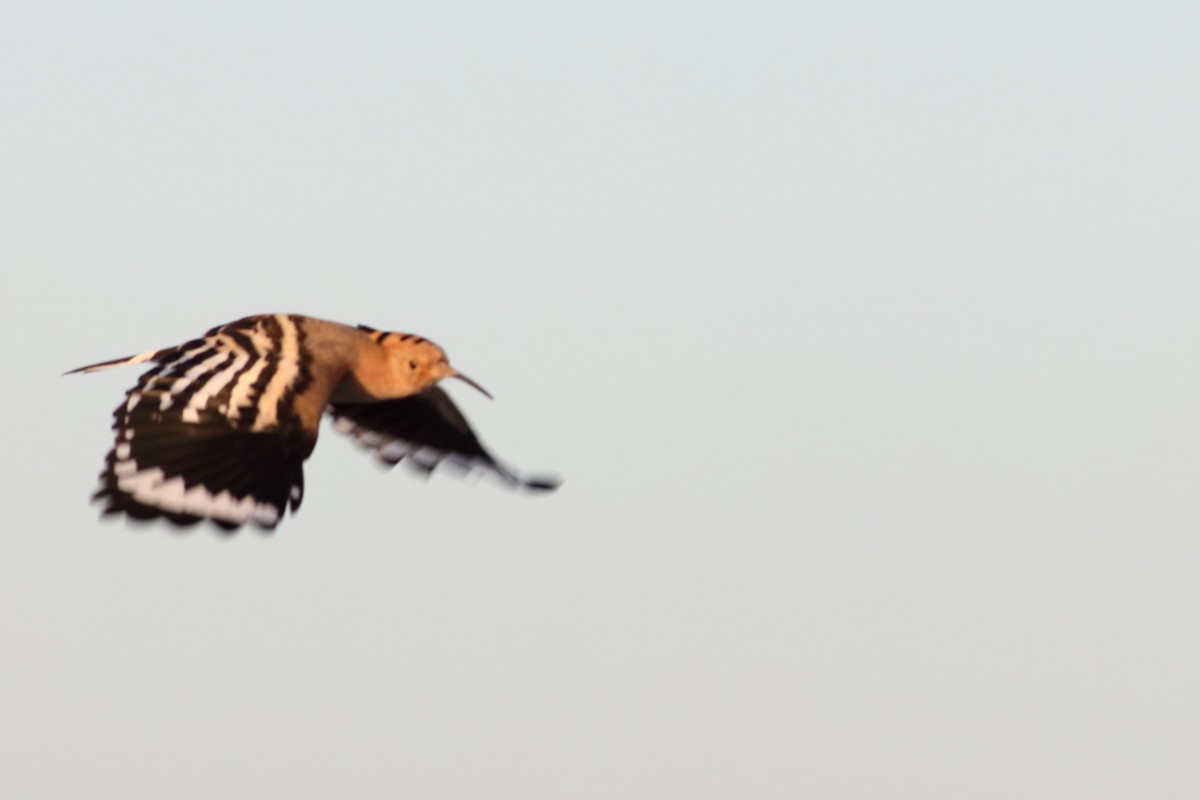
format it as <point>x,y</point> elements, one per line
<point>863,333</point>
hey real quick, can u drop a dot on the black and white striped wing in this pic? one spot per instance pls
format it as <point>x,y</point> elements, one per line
<point>428,430</point>
<point>207,433</point>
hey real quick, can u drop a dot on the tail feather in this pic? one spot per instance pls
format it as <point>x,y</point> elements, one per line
<point>140,358</point>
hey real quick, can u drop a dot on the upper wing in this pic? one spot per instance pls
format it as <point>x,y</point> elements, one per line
<point>210,432</point>
<point>428,429</point>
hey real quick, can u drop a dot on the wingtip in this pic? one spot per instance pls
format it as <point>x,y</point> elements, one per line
<point>541,484</point>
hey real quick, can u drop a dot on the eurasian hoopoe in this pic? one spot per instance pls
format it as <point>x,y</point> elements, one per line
<point>219,429</point>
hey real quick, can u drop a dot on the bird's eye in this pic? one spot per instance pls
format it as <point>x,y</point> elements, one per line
<point>412,364</point>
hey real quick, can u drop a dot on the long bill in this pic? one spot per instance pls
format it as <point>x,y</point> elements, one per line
<point>469,382</point>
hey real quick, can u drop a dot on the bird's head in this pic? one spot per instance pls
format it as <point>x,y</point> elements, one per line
<point>418,363</point>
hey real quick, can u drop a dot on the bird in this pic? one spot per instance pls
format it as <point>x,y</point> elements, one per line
<point>219,428</point>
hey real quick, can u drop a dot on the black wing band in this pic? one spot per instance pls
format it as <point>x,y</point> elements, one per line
<point>428,430</point>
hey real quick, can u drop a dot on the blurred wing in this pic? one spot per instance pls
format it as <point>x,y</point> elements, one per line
<point>428,430</point>
<point>209,432</point>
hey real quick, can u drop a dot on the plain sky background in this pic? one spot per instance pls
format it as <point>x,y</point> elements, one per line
<point>864,334</point>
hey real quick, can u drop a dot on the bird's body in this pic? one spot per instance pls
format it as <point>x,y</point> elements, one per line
<point>220,427</point>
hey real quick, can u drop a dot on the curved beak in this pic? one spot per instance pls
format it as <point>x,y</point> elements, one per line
<point>469,382</point>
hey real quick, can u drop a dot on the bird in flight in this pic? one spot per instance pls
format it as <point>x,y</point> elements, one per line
<point>219,428</point>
